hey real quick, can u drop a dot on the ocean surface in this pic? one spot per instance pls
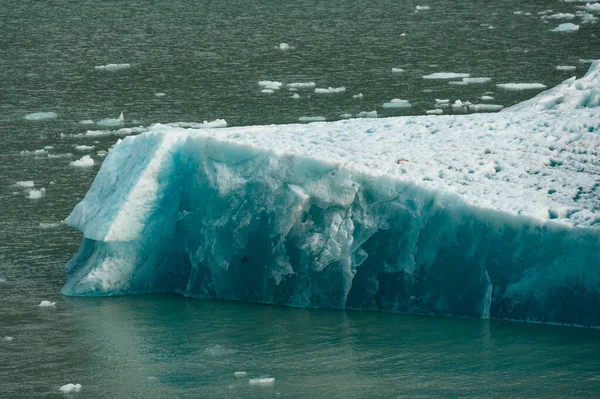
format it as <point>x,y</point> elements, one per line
<point>207,57</point>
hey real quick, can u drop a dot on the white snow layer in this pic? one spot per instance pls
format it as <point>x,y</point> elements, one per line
<point>484,215</point>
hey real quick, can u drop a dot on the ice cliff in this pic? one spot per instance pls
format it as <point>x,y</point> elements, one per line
<point>483,215</point>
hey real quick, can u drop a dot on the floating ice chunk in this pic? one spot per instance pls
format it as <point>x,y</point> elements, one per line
<point>587,18</point>
<point>160,94</point>
<point>565,68</point>
<point>446,75</point>
<point>397,70</point>
<point>566,27</point>
<point>36,194</point>
<point>346,116</point>
<point>43,225</point>
<point>267,91</point>
<point>86,122</point>
<point>302,85</point>
<point>119,132</point>
<point>84,147</point>
<point>84,162</point>
<point>261,381</point>
<point>8,339</point>
<point>562,15</point>
<point>112,67</point>
<point>111,122</point>
<point>594,7</point>
<point>36,116</point>
<point>423,8</point>
<point>34,152</point>
<point>485,107</point>
<point>487,98</point>
<point>218,350</point>
<point>397,103</point>
<point>458,82</point>
<point>295,96</point>
<point>65,155</point>
<point>285,47</point>
<point>476,80</point>
<point>443,101</point>
<point>70,388</point>
<point>367,114</point>
<point>217,123</point>
<point>102,153</point>
<point>2,280</point>
<point>358,96</point>
<point>240,374</point>
<point>460,105</point>
<point>330,90</point>
<point>45,304</point>
<point>312,119</point>
<point>25,183</point>
<point>436,111</point>
<point>270,84</point>
<point>521,86</point>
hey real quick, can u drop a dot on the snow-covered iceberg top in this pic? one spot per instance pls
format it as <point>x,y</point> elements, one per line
<point>484,215</point>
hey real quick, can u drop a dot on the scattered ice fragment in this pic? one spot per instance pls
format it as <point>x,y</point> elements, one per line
<point>240,374</point>
<point>270,84</point>
<point>2,280</point>
<point>476,80</point>
<point>25,183</point>
<point>446,75</point>
<point>285,46</point>
<point>295,96</point>
<point>48,225</point>
<point>267,91</point>
<point>261,381</point>
<point>160,94</point>
<point>84,147</point>
<point>102,153</point>
<point>87,122</point>
<point>358,96</point>
<point>112,67</point>
<point>458,82</point>
<point>84,161</point>
<point>330,90</point>
<point>36,194</point>
<point>567,27</point>
<point>312,119</point>
<point>521,86</point>
<point>8,339</point>
<point>402,34</point>
<point>487,98</point>
<point>436,111</point>
<point>65,155</point>
<point>367,114</point>
<point>112,121</point>
<point>302,85</point>
<point>591,7</point>
<point>566,68</point>
<point>397,103</point>
<point>460,105</point>
<point>561,15</point>
<point>423,8</point>
<point>69,388</point>
<point>36,116</point>
<point>217,123</point>
<point>346,116</point>
<point>397,70</point>
<point>485,107</point>
<point>48,147</point>
<point>45,304</point>
<point>444,101</point>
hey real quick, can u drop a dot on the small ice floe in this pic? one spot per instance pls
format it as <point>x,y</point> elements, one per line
<point>84,162</point>
<point>37,116</point>
<point>358,96</point>
<point>567,27</point>
<point>436,111</point>
<point>217,123</point>
<point>346,116</point>
<point>561,15</point>
<point>295,96</point>
<point>48,147</point>
<point>36,194</point>
<point>267,91</point>
<point>397,103</point>
<point>270,84</point>
<point>45,304</point>
<point>443,101</point>
<point>460,105</point>
<point>423,8</point>
<point>367,114</point>
<point>487,98</point>
<point>458,82</point>
<point>8,339</point>
<point>446,75</point>
<point>102,153</point>
<point>34,152</point>
<point>25,184</point>
<point>312,119</point>
<point>261,381</point>
<point>330,90</point>
<point>86,122</point>
<point>160,94</point>
<point>69,388</point>
<point>476,80</point>
<point>110,122</point>
<point>402,34</point>
<point>65,155</point>
<point>285,47</point>
<point>587,18</point>
<point>112,67</point>
<point>485,107</point>
<point>240,374</point>
<point>566,68</point>
<point>521,86</point>
<point>43,225</point>
<point>2,280</point>
<point>302,85</point>
<point>397,70</point>
<point>591,7</point>
<point>84,147</point>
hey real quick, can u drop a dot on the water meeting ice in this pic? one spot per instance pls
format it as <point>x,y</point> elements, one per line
<point>480,215</point>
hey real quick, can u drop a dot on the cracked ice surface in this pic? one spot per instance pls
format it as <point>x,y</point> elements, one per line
<point>483,215</point>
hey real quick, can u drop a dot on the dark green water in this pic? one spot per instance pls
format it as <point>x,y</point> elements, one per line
<point>207,57</point>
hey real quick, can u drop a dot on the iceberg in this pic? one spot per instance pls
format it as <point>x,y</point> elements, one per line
<point>475,215</point>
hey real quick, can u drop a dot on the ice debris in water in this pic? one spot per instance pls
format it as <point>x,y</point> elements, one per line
<point>481,215</point>
<point>295,96</point>
<point>566,68</point>
<point>446,75</point>
<point>217,123</point>
<point>270,85</point>
<point>112,67</point>
<point>521,86</point>
<point>34,152</point>
<point>436,111</point>
<point>8,339</point>
<point>442,101</point>
<point>397,103</point>
<point>84,161</point>
<point>69,388</point>
<point>240,374</point>
<point>160,94</point>
<point>285,46</point>
<point>358,96</point>
<point>330,90</point>
<point>86,122</point>
<point>487,98</point>
<point>43,225</point>
<point>302,85</point>
<point>485,107</point>
<point>423,8</point>
<point>36,194</point>
<point>367,114</point>
<point>312,119</point>
<point>84,147</point>
<point>460,105</point>
<point>261,381</point>
<point>561,15</point>
<point>267,91</point>
<point>475,80</point>
<point>36,116</point>
<point>111,122</point>
<point>397,70</point>
<point>345,116</point>
<point>595,7</point>
<point>45,304</point>
<point>566,27</point>
<point>25,183</point>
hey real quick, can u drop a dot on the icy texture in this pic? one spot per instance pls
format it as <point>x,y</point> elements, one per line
<point>481,215</point>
